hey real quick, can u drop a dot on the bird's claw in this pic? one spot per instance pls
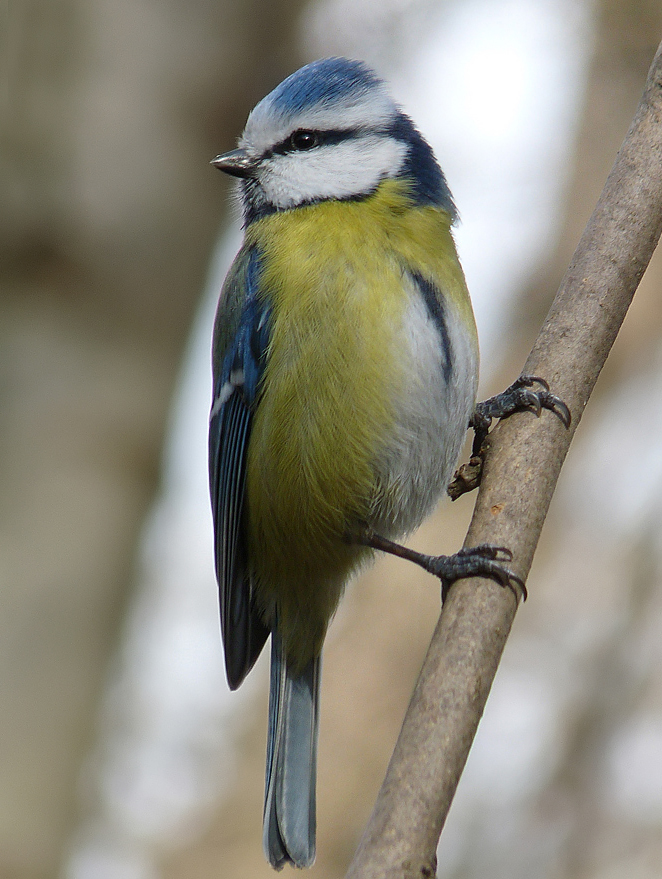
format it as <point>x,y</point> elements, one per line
<point>521,395</point>
<point>484,560</point>
<point>542,398</point>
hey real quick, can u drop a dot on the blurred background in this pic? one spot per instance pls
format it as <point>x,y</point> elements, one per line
<point>123,754</point>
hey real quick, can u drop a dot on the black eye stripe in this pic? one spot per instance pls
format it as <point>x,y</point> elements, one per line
<point>321,138</point>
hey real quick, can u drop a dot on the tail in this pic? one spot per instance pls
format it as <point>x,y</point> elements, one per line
<point>289,800</point>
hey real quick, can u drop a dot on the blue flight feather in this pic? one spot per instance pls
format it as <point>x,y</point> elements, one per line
<point>236,388</point>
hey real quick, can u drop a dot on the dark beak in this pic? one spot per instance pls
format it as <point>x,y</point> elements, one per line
<point>236,162</point>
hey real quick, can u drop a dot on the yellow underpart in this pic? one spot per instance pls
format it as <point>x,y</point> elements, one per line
<point>333,275</point>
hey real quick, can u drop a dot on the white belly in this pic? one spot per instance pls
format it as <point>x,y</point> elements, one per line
<point>432,414</point>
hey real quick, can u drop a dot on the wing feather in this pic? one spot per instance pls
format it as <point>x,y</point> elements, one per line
<point>238,360</point>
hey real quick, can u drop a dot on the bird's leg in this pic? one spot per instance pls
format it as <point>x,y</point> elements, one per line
<point>483,560</point>
<point>519,396</point>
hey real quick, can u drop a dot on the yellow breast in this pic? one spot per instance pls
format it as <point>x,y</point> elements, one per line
<point>333,273</point>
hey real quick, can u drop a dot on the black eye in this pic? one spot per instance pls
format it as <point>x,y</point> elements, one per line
<point>303,140</point>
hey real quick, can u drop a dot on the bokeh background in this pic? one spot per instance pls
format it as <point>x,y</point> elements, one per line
<point>123,756</point>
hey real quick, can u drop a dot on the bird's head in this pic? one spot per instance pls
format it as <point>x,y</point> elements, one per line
<point>330,131</point>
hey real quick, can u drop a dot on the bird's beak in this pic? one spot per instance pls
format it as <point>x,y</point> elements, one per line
<point>236,162</point>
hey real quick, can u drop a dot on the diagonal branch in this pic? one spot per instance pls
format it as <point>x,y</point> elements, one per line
<point>521,469</point>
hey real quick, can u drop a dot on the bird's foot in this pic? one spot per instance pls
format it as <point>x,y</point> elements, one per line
<point>521,395</point>
<point>483,560</point>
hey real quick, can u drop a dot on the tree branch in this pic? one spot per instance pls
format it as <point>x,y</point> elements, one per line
<point>521,470</point>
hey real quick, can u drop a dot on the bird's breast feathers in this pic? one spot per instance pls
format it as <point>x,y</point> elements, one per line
<point>369,380</point>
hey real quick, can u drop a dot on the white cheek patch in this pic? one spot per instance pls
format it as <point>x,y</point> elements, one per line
<point>339,170</point>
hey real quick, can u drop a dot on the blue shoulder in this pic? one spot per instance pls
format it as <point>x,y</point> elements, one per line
<point>241,331</point>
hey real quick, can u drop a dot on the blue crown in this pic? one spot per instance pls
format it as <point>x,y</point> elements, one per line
<point>323,82</point>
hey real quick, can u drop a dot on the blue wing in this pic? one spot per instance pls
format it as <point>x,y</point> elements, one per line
<point>241,337</point>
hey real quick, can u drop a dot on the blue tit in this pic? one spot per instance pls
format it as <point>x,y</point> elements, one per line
<point>345,363</point>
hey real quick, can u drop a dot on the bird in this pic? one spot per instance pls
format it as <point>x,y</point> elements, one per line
<point>345,371</point>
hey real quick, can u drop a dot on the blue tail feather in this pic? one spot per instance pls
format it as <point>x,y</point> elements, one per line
<point>289,806</point>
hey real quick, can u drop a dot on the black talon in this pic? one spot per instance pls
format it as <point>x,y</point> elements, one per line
<point>526,380</point>
<point>517,397</point>
<point>521,395</point>
<point>558,407</point>
<point>477,561</point>
<point>544,398</point>
<point>530,400</point>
